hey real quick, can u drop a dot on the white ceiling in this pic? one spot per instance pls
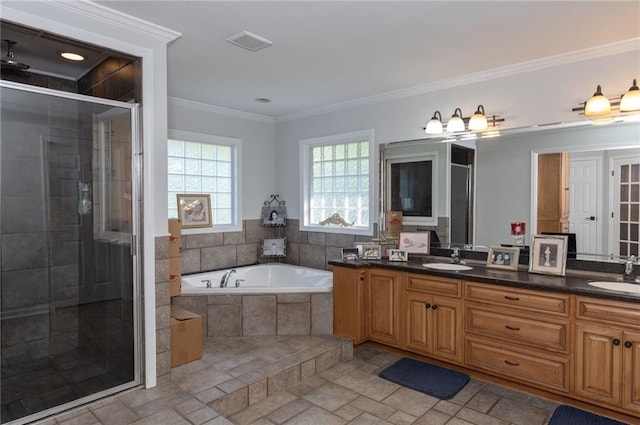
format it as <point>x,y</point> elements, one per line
<point>330,52</point>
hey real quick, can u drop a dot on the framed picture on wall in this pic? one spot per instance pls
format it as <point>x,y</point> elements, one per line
<point>194,210</point>
<point>274,216</point>
<point>548,254</point>
<point>414,242</point>
<point>505,258</point>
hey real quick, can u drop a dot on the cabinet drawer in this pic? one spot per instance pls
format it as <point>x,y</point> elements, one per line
<point>619,312</point>
<point>532,331</point>
<point>524,299</point>
<point>434,285</point>
<point>551,372</point>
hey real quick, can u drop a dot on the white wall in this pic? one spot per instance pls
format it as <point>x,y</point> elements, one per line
<point>539,96</point>
<point>259,159</point>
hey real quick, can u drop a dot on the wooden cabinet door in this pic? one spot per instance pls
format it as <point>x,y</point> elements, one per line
<point>631,361</point>
<point>599,363</point>
<point>383,306</point>
<point>446,329</point>
<point>418,307</point>
<point>348,303</point>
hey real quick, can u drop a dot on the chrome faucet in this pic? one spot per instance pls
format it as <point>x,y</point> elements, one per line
<point>207,281</point>
<point>629,273</point>
<point>455,255</point>
<point>225,278</point>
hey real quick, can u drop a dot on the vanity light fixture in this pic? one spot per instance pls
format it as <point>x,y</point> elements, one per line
<point>455,124</point>
<point>478,121</point>
<point>434,126</point>
<point>631,99</point>
<point>597,105</point>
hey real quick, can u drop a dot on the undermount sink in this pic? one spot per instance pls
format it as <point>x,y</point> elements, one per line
<point>446,266</point>
<point>617,286</point>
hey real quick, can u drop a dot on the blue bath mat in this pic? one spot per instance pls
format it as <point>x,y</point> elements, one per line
<point>567,415</point>
<point>426,378</point>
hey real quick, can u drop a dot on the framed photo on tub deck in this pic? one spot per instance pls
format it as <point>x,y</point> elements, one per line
<point>398,255</point>
<point>371,252</point>
<point>414,242</point>
<point>505,258</point>
<point>548,254</point>
<point>194,210</point>
<point>350,254</point>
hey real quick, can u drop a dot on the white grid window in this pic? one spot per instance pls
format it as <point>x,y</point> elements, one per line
<point>199,163</point>
<point>337,180</point>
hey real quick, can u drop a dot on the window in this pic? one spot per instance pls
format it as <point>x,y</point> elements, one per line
<point>201,163</point>
<point>337,174</point>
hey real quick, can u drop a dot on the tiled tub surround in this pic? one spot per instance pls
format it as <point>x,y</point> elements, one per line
<point>214,251</point>
<point>250,315</point>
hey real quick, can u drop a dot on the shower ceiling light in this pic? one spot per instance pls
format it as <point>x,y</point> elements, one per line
<point>76,57</point>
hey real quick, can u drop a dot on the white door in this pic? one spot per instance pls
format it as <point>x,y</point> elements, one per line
<point>624,230</point>
<point>584,178</point>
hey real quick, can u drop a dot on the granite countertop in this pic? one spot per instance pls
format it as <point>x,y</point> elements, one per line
<point>575,281</point>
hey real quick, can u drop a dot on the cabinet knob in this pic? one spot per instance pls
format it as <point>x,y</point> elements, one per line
<point>427,306</point>
<point>628,344</point>
<point>616,341</point>
<point>435,307</point>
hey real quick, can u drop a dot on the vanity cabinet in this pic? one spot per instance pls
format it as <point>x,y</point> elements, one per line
<point>522,334</point>
<point>349,303</point>
<point>608,352</point>
<point>433,324</point>
<point>382,295</point>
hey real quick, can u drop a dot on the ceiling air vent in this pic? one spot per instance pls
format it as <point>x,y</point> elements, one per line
<point>249,41</point>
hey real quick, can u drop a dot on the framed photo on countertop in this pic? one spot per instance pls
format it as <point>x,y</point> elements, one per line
<point>505,258</point>
<point>548,254</point>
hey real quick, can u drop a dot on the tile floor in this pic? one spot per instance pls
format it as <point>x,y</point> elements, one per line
<point>301,380</point>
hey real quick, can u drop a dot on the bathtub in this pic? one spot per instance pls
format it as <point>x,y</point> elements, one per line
<point>271,278</point>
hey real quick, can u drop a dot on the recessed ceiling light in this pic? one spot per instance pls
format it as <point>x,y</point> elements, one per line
<point>262,100</point>
<point>72,56</point>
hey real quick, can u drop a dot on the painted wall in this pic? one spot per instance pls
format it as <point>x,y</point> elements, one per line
<point>525,96</point>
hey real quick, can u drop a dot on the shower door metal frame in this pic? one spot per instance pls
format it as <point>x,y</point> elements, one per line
<point>136,241</point>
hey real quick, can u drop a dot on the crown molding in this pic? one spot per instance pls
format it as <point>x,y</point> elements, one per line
<point>113,17</point>
<point>34,14</point>
<point>190,104</point>
<point>491,74</point>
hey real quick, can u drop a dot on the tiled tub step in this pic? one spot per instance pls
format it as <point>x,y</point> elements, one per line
<point>236,372</point>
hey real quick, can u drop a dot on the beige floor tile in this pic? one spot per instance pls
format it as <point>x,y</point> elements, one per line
<point>366,384</point>
<point>368,419</point>
<point>401,418</point>
<point>433,417</point>
<point>316,416</point>
<point>348,412</point>
<point>330,397</point>
<point>261,408</point>
<point>479,418</point>
<point>374,407</point>
<point>288,411</point>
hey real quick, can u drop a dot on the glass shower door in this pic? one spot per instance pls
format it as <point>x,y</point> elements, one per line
<point>69,262</point>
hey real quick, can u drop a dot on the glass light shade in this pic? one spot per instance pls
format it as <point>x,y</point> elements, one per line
<point>478,121</point>
<point>631,100</point>
<point>434,126</point>
<point>455,124</point>
<point>597,105</point>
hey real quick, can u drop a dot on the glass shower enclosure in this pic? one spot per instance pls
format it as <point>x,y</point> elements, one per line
<point>69,261</point>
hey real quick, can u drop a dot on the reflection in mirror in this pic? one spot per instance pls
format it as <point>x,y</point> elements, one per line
<point>507,187</point>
